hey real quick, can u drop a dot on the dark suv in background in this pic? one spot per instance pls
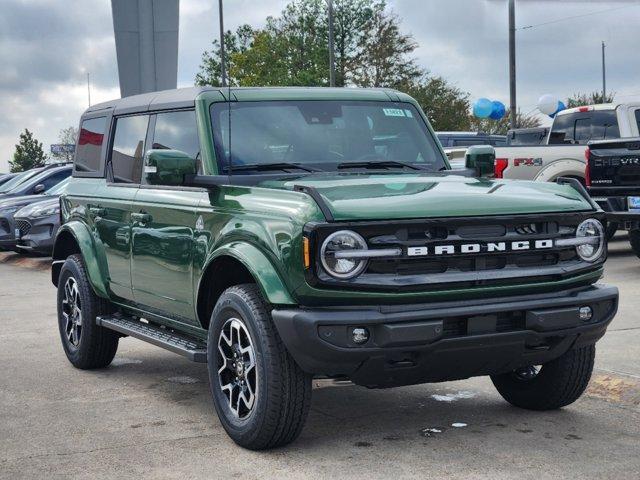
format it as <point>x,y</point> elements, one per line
<point>35,187</point>
<point>36,224</point>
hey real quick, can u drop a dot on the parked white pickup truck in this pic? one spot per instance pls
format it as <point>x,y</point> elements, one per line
<point>564,153</point>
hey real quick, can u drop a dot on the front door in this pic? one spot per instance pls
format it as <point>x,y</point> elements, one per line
<point>163,229</point>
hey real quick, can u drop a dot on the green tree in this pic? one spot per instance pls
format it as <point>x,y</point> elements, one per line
<point>235,42</point>
<point>29,153</point>
<point>500,127</point>
<point>384,59</point>
<point>446,105</point>
<point>292,49</point>
<point>584,99</point>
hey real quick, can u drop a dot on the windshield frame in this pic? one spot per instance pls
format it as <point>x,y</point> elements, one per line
<point>439,159</point>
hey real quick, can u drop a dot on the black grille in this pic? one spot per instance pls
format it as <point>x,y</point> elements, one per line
<point>24,227</point>
<point>486,267</point>
<point>412,236</point>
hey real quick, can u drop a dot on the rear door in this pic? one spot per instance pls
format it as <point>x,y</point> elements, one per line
<point>164,226</point>
<point>112,206</point>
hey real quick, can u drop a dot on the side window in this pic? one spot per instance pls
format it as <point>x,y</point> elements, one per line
<point>128,148</point>
<point>637,113</point>
<point>601,125</point>
<point>177,131</point>
<point>90,145</point>
<point>56,178</point>
<point>562,130</point>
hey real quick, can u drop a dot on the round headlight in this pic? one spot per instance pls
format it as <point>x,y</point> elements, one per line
<point>592,230</point>
<point>340,266</point>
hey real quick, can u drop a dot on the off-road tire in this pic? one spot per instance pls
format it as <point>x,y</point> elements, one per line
<point>634,240</point>
<point>283,393</point>
<point>97,345</point>
<point>558,383</point>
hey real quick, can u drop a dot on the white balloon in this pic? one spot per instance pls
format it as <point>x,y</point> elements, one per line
<point>548,104</point>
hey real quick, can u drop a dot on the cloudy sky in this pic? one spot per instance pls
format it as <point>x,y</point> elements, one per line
<point>48,46</point>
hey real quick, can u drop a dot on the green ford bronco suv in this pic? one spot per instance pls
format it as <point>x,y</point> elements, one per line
<point>281,234</point>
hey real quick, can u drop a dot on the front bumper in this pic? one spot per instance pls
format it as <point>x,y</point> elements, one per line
<point>40,234</point>
<point>617,212</point>
<point>7,232</point>
<point>444,341</point>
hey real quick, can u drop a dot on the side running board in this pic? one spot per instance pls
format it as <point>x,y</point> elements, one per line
<point>191,348</point>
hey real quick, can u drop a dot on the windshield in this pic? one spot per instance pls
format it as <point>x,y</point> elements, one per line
<point>59,188</point>
<point>322,135</point>
<point>18,179</point>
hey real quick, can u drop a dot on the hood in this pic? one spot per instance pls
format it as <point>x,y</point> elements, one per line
<point>28,210</point>
<point>8,202</point>
<point>400,196</point>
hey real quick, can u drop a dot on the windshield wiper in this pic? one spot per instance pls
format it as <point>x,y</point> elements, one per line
<point>272,166</point>
<point>378,164</point>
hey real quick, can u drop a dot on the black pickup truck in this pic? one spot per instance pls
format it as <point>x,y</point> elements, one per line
<point>613,180</point>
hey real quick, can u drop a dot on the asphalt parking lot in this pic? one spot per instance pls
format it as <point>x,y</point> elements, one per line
<point>149,415</point>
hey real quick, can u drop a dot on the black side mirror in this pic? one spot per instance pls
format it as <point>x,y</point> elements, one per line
<point>38,189</point>
<point>481,158</point>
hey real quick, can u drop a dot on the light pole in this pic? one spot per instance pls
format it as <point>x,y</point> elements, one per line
<point>512,61</point>
<point>223,67</point>
<point>332,58</point>
<point>604,76</point>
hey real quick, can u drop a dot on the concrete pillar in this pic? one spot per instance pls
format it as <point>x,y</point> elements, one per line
<point>146,33</point>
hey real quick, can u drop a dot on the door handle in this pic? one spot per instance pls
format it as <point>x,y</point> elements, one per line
<point>97,211</point>
<point>142,218</point>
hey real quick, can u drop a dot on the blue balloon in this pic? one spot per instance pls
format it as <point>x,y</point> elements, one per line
<point>498,110</point>
<point>483,108</point>
<point>561,107</point>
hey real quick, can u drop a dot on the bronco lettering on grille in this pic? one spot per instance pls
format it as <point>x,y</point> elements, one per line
<point>485,247</point>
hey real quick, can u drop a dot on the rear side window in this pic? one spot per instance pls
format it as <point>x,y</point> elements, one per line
<point>128,149</point>
<point>584,127</point>
<point>637,113</point>
<point>90,142</point>
<point>177,131</point>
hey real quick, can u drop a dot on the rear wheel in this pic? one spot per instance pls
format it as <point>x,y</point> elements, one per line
<point>553,385</point>
<point>634,240</point>
<point>86,344</point>
<point>261,395</point>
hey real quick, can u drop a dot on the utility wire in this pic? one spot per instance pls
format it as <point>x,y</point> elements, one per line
<point>527,27</point>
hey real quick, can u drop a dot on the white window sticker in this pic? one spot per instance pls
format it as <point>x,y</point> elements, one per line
<point>408,113</point>
<point>393,112</point>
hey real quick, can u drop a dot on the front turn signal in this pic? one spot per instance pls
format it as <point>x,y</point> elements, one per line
<point>305,252</point>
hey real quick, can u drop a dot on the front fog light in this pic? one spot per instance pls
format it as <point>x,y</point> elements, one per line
<point>360,335</point>
<point>335,252</point>
<point>586,313</point>
<point>591,233</point>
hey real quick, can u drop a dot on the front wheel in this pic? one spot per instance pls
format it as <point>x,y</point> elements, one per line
<point>261,395</point>
<point>550,386</point>
<point>86,344</point>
